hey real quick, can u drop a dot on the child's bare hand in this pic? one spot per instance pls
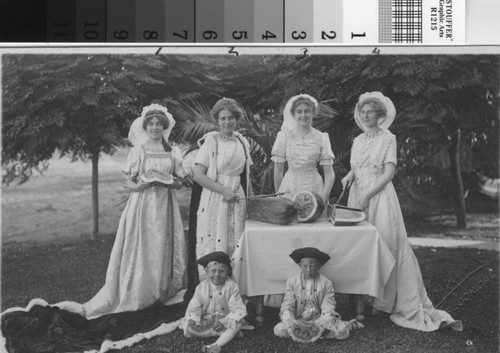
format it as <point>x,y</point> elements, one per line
<point>292,324</point>
<point>218,327</point>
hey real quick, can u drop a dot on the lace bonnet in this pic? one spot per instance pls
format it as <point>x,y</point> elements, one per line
<point>137,135</point>
<point>383,122</point>
<point>289,121</point>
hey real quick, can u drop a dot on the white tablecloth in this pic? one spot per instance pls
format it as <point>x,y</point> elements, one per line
<point>360,260</point>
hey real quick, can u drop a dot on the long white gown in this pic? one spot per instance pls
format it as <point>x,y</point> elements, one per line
<point>405,295</point>
<point>148,260</point>
<point>220,224</point>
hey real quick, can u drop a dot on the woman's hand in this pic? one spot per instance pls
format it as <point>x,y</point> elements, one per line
<point>324,195</point>
<point>175,185</point>
<point>347,180</point>
<point>229,195</point>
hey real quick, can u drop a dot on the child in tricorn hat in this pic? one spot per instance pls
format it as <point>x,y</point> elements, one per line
<point>216,308</point>
<point>308,309</point>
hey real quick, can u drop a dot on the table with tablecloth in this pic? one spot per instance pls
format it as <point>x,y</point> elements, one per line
<point>360,260</point>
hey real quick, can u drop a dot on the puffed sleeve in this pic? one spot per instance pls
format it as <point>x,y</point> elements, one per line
<point>328,304</point>
<point>195,306</point>
<point>353,150</point>
<point>188,162</point>
<point>326,157</point>
<point>177,160</point>
<point>133,162</point>
<point>391,150</point>
<point>247,150</point>
<point>279,148</point>
<point>287,312</point>
<point>203,155</point>
<point>237,310</point>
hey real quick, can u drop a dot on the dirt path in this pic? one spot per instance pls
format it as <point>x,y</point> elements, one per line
<point>57,204</point>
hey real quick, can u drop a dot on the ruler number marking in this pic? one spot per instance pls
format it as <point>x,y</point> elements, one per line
<point>238,35</point>
<point>326,36</point>
<point>208,35</point>
<point>296,35</point>
<point>122,35</point>
<point>184,35</point>
<point>268,35</point>
<point>148,35</point>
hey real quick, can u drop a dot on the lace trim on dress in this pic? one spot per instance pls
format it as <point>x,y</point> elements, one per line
<point>388,142</point>
<point>158,155</point>
<point>372,135</point>
<point>365,144</point>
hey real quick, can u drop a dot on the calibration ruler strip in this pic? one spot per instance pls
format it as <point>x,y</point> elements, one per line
<point>235,21</point>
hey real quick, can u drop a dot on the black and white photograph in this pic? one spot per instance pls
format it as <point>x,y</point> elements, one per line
<point>250,199</point>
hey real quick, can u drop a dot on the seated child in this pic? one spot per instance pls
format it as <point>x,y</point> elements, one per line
<point>309,302</point>
<point>216,308</point>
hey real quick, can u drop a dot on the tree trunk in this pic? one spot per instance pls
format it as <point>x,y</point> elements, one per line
<point>95,196</point>
<point>456,175</point>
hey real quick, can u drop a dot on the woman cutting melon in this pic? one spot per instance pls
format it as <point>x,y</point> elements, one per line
<point>373,162</point>
<point>303,148</point>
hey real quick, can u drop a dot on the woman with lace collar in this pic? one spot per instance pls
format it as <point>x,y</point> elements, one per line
<point>222,168</point>
<point>373,163</point>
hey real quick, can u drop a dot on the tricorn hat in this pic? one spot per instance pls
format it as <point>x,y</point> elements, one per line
<point>313,253</point>
<point>218,256</point>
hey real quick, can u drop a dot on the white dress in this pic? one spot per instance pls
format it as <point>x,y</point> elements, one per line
<point>148,260</point>
<point>303,157</point>
<point>405,295</point>
<point>219,223</point>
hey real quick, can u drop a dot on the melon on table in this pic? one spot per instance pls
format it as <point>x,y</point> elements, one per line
<point>347,216</point>
<point>155,176</point>
<point>309,206</point>
<point>276,210</point>
<point>306,332</point>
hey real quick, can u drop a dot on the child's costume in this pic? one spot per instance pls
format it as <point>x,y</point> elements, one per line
<point>309,305</point>
<point>214,308</point>
<point>211,305</point>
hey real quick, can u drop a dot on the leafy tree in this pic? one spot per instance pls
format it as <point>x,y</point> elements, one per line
<point>82,105</point>
<point>442,100</point>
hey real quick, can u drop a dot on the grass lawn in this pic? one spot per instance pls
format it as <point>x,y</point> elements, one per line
<point>75,270</point>
<point>46,254</point>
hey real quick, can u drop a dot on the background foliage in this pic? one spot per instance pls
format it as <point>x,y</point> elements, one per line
<point>82,105</point>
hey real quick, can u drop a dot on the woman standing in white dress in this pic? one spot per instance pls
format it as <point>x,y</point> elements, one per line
<point>222,168</point>
<point>303,148</point>
<point>373,162</point>
<point>148,260</point>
